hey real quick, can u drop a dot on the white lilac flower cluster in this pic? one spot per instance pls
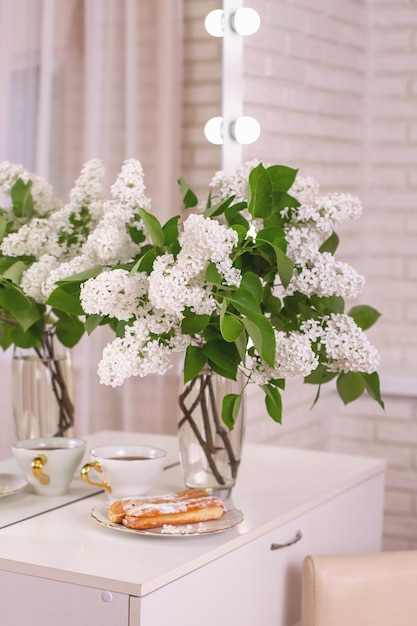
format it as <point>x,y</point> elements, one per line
<point>294,357</point>
<point>347,349</point>
<point>157,302</point>
<point>234,183</point>
<point>309,225</point>
<point>306,229</point>
<point>146,348</point>
<point>88,230</point>
<point>43,196</point>
<point>176,284</point>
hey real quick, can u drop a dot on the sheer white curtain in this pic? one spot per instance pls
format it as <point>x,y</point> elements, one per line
<point>95,78</point>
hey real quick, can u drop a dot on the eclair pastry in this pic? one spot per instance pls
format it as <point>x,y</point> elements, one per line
<point>184,507</point>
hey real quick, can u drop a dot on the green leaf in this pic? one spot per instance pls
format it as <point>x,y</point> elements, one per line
<point>69,329</point>
<point>251,282</point>
<point>213,275</point>
<point>193,324</point>
<point>274,238</point>
<point>320,376</point>
<point>241,343</point>
<point>364,316</point>
<point>259,192</point>
<point>81,277</point>
<point>350,386</point>
<point>218,209</point>
<point>188,196</point>
<point>281,200</point>
<point>223,357</point>
<point>282,177</point>
<point>285,266</point>
<point>272,235</point>
<point>328,305</point>
<point>145,263</point>
<point>5,336</point>
<point>22,199</point>
<point>137,235</point>
<point>230,327</point>
<point>331,244</point>
<point>30,337</point>
<point>230,409</point>
<point>12,299</point>
<point>171,230</point>
<point>14,272</point>
<point>194,362</point>
<point>233,214</point>
<point>92,322</point>
<point>262,334</point>
<point>272,304</point>
<point>273,402</point>
<point>27,318</point>
<point>245,302</point>
<point>242,231</point>
<point>373,387</point>
<point>66,297</point>
<point>153,227</point>
<point>3,226</point>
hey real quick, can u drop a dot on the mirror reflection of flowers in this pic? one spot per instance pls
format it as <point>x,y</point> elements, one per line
<point>246,283</point>
<point>39,237</point>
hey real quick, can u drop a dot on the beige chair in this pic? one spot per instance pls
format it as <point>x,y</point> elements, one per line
<point>377,589</point>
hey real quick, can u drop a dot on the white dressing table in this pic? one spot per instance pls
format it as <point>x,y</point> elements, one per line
<point>59,566</point>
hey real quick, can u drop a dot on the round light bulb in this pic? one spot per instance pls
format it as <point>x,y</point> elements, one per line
<point>213,130</point>
<point>214,23</point>
<point>245,21</point>
<point>246,129</point>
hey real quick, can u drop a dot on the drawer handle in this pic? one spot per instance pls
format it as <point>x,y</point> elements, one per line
<point>278,546</point>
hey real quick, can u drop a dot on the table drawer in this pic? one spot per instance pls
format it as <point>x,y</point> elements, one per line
<point>31,600</point>
<point>260,584</point>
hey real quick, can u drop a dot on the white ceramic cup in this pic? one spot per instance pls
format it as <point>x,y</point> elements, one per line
<point>49,463</point>
<point>127,470</point>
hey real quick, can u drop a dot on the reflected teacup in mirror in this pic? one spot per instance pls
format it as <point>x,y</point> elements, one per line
<point>124,470</point>
<point>49,463</point>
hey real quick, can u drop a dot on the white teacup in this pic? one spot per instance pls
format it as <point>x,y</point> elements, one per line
<point>128,470</point>
<point>49,463</point>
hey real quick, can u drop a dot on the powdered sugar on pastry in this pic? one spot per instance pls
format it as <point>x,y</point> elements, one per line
<point>185,507</point>
<point>189,529</point>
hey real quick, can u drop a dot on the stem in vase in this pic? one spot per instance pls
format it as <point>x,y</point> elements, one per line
<point>222,431</point>
<point>207,445</point>
<point>59,386</point>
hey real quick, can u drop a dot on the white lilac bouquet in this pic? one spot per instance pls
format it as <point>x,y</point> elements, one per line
<point>247,282</point>
<point>41,240</point>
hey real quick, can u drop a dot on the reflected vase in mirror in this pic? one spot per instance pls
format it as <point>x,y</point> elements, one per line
<point>42,390</point>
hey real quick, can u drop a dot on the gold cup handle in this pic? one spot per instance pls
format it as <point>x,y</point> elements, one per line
<point>96,466</point>
<point>37,469</point>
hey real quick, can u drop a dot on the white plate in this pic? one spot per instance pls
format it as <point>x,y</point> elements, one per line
<point>11,483</point>
<point>231,518</point>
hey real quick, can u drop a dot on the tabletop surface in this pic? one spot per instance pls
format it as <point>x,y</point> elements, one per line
<point>56,537</point>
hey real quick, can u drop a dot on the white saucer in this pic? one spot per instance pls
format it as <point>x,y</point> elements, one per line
<point>11,483</point>
<point>231,518</point>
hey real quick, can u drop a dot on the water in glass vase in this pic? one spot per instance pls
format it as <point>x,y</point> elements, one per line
<point>42,395</point>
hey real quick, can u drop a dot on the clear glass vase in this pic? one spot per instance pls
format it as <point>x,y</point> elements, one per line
<point>42,390</point>
<point>210,454</point>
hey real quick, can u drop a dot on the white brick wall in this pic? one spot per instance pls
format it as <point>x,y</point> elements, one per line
<point>333,85</point>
